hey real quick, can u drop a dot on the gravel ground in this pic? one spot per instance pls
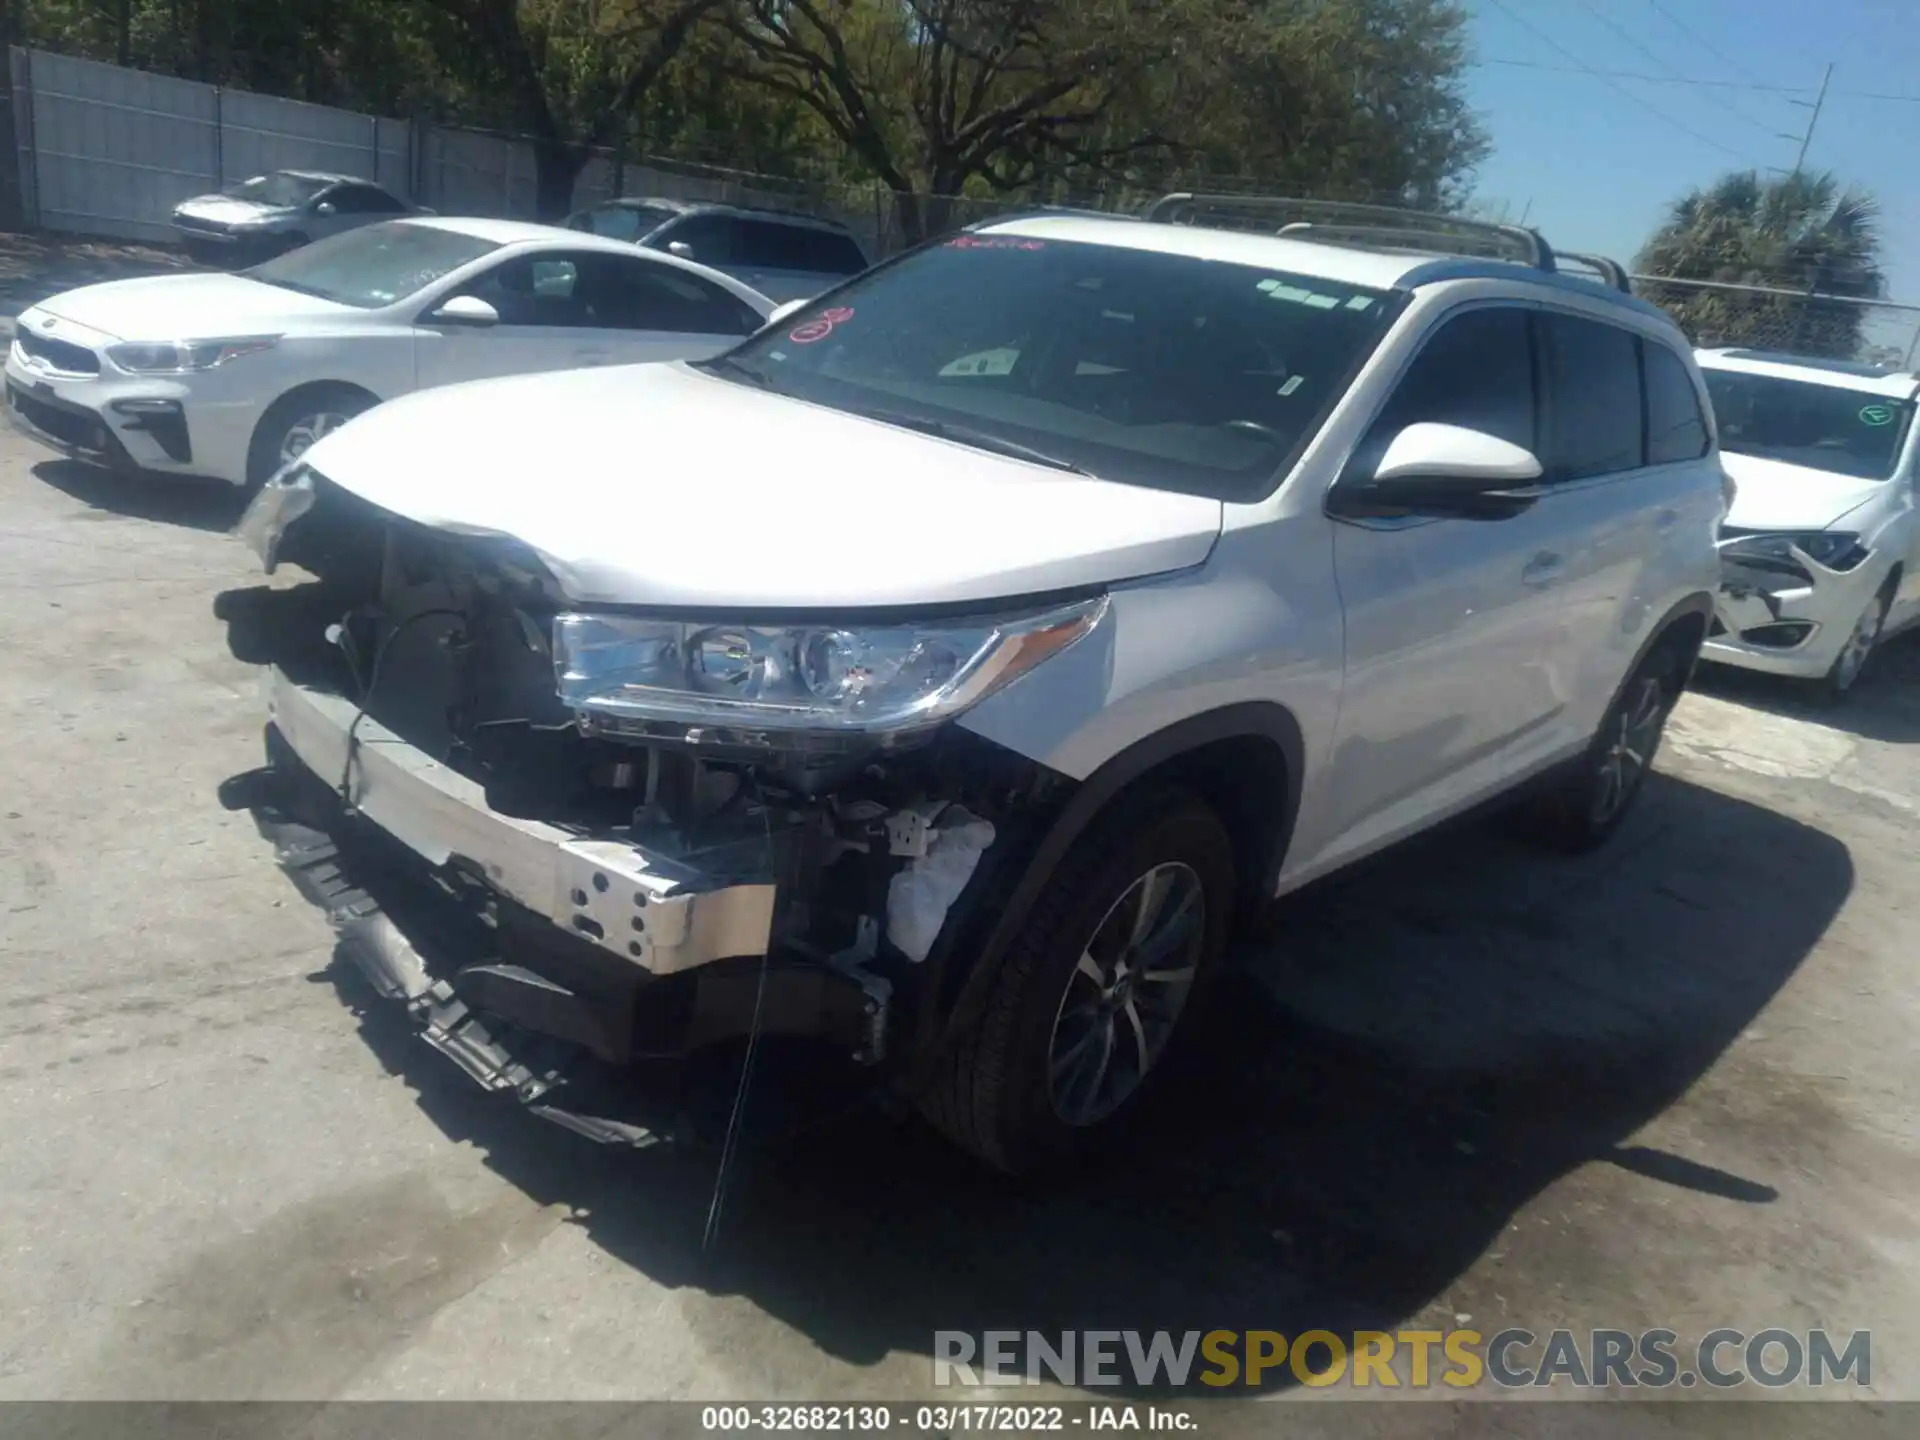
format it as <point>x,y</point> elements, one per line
<point>1673,1084</point>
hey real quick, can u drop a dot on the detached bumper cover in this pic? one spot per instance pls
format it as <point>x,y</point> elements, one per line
<point>611,894</point>
<point>1789,616</point>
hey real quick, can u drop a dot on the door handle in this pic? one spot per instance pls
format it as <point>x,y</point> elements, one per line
<point>593,357</point>
<point>1666,519</point>
<point>1543,569</point>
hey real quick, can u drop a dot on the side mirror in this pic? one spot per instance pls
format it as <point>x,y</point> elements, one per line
<point>680,248</point>
<point>468,310</point>
<point>786,311</point>
<point>324,208</point>
<point>1434,469</point>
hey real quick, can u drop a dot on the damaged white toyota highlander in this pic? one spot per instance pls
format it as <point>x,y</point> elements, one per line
<point>947,671</point>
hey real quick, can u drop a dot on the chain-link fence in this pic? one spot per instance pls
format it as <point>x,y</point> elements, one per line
<point>1799,322</point>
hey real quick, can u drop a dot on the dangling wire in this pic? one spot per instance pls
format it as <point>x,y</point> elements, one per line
<point>366,696</point>
<point>730,1145</point>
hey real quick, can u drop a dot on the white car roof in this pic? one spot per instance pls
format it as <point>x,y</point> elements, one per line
<point>1340,263</point>
<point>1379,270</point>
<point>513,232</point>
<point>1839,374</point>
<point>525,232</point>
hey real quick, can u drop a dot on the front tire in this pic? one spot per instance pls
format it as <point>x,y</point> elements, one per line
<point>1839,680</point>
<point>1095,998</point>
<point>295,421</point>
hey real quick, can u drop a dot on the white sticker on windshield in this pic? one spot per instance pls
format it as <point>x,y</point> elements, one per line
<point>1294,382</point>
<point>1359,302</point>
<point>1279,290</point>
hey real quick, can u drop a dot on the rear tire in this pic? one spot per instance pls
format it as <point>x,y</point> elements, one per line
<point>1580,810</point>
<point>297,419</point>
<point>1096,998</point>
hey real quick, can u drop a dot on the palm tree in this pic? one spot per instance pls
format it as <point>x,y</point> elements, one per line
<point>1799,232</point>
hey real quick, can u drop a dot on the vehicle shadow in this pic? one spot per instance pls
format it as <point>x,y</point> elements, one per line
<point>170,500</point>
<point>1884,705</point>
<point>1418,1051</point>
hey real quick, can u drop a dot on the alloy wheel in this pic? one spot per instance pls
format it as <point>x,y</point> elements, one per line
<point>1126,993</point>
<point>1853,655</point>
<point>302,433</point>
<point>1630,744</point>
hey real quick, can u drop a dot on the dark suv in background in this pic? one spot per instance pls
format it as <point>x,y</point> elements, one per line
<point>785,256</point>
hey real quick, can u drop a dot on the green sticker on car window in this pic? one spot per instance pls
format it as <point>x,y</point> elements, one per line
<point>1876,414</point>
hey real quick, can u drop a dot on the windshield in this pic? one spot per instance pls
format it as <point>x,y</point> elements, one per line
<point>374,266</point>
<point>1153,369</point>
<point>278,188</point>
<point>1802,422</point>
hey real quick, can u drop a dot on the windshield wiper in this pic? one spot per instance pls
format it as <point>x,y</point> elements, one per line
<point>977,439</point>
<point>746,372</point>
<point>292,285</point>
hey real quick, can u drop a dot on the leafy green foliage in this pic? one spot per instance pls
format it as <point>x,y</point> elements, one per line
<point>1801,232</point>
<point>923,100</point>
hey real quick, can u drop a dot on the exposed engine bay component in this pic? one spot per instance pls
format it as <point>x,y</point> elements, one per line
<point>646,884</point>
<point>919,897</point>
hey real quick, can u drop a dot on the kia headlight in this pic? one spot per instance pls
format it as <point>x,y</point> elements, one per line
<point>178,357</point>
<point>883,681</point>
<point>1834,549</point>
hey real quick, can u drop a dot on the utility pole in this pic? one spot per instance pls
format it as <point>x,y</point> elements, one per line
<point>1812,120</point>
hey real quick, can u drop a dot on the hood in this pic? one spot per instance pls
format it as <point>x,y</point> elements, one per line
<point>659,485</point>
<point>1772,495</point>
<point>187,307</point>
<point>227,210</point>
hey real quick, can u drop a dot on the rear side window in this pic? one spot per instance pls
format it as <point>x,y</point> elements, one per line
<point>643,294</point>
<point>1676,428</point>
<point>1475,371</point>
<point>1595,422</point>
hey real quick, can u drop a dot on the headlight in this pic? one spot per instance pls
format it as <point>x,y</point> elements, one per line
<point>1835,549</point>
<point>884,680</point>
<point>177,357</point>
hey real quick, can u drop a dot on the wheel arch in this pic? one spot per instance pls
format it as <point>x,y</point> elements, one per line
<point>282,402</point>
<point>1246,760</point>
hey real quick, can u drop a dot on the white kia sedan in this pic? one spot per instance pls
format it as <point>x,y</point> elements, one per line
<point>233,376</point>
<point>1821,548</point>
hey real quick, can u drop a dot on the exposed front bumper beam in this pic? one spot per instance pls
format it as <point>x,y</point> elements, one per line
<point>611,894</point>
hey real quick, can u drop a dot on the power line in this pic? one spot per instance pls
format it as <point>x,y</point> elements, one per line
<point>1648,106</point>
<point>1669,79</point>
<point>1628,37</point>
<point>1698,39</point>
<point>1790,90</point>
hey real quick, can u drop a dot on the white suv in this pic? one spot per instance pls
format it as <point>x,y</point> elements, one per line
<point>948,669</point>
<point>1822,546</point>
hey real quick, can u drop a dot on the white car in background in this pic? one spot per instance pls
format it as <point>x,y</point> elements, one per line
<point>1821,549</point>
<point>232,376</point>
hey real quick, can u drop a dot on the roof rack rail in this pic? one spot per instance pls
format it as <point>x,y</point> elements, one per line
<point>1342,222</point>
<point>1611,273</point>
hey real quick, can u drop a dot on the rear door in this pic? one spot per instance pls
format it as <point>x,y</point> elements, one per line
<point>1448,621</point>
<point>1626,455</point>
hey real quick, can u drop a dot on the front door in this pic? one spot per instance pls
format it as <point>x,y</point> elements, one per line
<point>543,323</point>
<point>1449,622</point>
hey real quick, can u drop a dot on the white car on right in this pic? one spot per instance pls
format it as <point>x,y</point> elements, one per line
<point>1821,547</point>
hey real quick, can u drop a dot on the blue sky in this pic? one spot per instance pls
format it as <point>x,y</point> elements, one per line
<point>1591,163</point>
